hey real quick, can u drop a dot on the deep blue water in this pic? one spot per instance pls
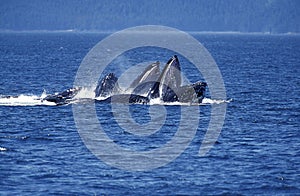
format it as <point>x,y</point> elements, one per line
<point>257,152</point>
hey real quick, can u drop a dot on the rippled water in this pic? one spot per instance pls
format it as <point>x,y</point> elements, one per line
<point>258,150</point>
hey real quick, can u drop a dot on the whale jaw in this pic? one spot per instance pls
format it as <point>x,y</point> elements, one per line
<point>108,86</point>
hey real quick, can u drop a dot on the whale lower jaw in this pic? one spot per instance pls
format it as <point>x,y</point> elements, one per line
<point>127,99</point>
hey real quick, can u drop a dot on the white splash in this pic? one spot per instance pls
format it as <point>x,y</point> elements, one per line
<point>3,149</point>
<point>85,93</point>
<point>44,94</point>
<point>25,100</point>
<point>88,93</point>
<point>214,101</point>
<point>205,101</point>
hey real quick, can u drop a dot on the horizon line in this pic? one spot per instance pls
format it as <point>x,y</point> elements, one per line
<point>113,31</point>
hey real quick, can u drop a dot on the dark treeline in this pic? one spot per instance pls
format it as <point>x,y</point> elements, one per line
<point>275,16</point>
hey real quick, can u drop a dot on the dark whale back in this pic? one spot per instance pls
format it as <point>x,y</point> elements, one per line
<point>192,93</point>
<point>63,97</point>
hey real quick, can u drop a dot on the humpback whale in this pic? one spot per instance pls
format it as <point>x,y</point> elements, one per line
<point>63,97</point>
<point>150,84</point>
<point>169,88</point>
<point>145,81</point>
<point>168,81</point>
<point>108,86</point>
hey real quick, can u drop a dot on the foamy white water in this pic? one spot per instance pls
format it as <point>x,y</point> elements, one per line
<point>2,149</point>
<point>85,93</point>
<point>205,101</point>
<point>24,100</point>
<point>214,101</point>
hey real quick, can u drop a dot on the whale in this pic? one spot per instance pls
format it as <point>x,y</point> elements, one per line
<point>169,89</point>
<point>168,81</point>
<point>145,81</point>
<point>63,97</point>
<point>126,99</point>
<point>108,86</point>
<point>152,83</point>
<point>109,89</point>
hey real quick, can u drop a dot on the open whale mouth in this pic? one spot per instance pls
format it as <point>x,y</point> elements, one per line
<point>150,84</point>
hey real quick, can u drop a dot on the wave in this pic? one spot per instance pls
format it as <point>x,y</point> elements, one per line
<point>25,100</point>
<point>205,101</point>
<point>3,149</point>
<point>85,93</point>
<point>34,100</point>
<point>215,101</point>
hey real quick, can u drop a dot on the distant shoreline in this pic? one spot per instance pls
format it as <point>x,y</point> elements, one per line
<point>113,31</point>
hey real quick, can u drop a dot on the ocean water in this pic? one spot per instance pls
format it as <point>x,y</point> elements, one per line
<point>257,152</point>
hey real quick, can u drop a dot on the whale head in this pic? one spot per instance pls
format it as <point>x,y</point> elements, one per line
<point>107,86</point>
